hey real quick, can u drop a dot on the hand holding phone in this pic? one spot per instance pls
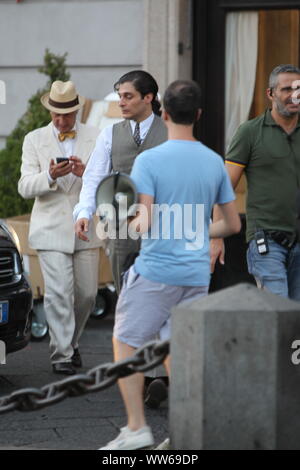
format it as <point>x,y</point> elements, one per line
<point>61,168</point>
<point>78,166</point>
<point>61,160</point>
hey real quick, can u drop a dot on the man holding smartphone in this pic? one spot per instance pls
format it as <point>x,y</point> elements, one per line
<point>53,162</point>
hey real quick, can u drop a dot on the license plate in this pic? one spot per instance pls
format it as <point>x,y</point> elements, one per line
<point>3,312</point>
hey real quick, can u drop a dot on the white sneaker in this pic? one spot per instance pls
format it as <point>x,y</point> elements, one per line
<point>131,440</point>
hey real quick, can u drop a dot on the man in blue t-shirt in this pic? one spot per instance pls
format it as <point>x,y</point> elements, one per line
<point>178,183</point>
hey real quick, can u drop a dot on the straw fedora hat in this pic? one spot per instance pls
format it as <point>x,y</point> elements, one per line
<point>62,98</point>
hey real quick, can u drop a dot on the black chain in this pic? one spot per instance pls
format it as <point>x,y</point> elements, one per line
<point>99,378</point>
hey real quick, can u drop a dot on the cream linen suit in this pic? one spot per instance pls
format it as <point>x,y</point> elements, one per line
<point>69,265</point>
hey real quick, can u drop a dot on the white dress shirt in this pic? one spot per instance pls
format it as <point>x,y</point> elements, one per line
<point>99,166</point>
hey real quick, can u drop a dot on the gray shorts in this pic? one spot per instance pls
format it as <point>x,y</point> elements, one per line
<point>143,311</point>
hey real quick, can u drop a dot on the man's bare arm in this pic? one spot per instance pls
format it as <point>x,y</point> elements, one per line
<point>229,223</point>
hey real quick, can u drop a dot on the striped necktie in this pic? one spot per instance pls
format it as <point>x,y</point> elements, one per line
<point>137,135</point>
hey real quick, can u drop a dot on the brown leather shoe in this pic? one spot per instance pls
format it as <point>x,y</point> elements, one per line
<point>64,368</point>
<point>76,358</point>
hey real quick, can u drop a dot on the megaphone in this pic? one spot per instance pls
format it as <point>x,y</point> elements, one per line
<point>118,191</point>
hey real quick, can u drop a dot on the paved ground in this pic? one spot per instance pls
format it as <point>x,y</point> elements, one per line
<point>86,422</point>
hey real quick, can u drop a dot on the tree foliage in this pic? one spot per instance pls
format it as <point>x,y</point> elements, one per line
<point>11,203</point>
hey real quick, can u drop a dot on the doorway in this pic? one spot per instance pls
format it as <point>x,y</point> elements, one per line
<point>277,42</point>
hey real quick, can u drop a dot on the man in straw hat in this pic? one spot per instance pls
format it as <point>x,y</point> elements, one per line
<point>53,161</point>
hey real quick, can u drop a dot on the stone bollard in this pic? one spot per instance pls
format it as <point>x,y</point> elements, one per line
<point>235,382</point>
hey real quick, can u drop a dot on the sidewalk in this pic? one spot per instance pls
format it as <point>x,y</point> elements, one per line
<point>86,422</point>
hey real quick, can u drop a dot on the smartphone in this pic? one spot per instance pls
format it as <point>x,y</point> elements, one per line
<point>61,159</point>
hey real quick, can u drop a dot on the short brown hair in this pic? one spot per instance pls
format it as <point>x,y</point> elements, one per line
<point>182,101</point>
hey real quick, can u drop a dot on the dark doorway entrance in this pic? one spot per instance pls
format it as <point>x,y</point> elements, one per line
<point>209,58</point>
<point>278,42</point>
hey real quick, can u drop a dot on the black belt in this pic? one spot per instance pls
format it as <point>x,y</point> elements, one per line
<point>285,239</point>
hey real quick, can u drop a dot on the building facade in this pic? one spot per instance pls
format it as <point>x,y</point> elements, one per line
<point>103,39</point>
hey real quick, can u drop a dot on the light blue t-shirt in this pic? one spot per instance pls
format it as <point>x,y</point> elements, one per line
<point>186,179</point>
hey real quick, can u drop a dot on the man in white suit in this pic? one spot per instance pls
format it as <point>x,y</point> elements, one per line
<point>69,266</point>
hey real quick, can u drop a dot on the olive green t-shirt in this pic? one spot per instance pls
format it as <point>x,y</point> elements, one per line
<point>271,159</point>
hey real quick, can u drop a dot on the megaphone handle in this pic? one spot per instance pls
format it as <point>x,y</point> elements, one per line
<point>116,180</point>
<point>116,206</point>
<point>118,269</point>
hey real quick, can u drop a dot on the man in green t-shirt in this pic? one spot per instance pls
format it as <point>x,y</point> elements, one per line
<point>267,149</point>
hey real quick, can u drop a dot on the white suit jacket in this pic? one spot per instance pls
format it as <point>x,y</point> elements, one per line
<point>51,223</point>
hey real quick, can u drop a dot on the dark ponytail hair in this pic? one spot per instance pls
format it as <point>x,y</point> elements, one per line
<point>144,83</point>
<point>156,106</point>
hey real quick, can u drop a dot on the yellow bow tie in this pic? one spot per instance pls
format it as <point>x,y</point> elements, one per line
<point>66,135</point>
